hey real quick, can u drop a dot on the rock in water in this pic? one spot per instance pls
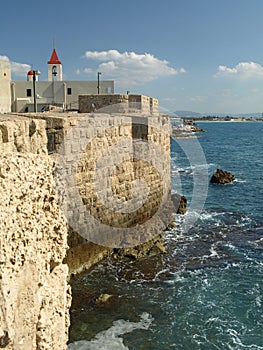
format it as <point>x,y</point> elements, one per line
<point>222,177</point>
<point>179,202</point>
<point>103,299</point>
<point>157,249</point>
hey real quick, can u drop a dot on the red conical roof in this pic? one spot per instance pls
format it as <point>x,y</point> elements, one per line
<point>31,72</point>
<point>54,58</point>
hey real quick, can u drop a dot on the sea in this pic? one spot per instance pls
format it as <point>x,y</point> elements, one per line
<point>206,293</point>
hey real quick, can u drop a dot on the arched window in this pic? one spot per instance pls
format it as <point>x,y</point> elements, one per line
<point>54,71</point>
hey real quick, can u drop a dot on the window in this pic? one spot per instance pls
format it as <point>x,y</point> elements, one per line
<point>54,71</point>
<point>28,92</point>
<point>69,91</point>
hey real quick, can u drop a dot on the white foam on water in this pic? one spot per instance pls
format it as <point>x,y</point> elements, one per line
<point>238,344</point>
<point>205,215</point>
<point>213,250</point>
<point>240,181</point>
<point>182,221</point>
<point>160,273</point>
<point>110,339</point>
<point>191,168</point>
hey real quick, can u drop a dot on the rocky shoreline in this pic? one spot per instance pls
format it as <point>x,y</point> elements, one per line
<point>187,129</point>
<point>83,255</point>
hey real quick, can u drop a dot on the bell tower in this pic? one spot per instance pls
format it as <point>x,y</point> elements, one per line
<point>54,67</point>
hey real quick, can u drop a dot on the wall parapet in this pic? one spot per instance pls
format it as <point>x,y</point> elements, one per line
<point>118,103</point>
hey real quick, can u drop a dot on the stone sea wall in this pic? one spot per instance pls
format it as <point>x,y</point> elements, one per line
<point>107,167</point>
<point>64,211</point>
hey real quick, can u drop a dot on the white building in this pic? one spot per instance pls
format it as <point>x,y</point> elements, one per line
<point>25,96</point>
<point>5,92</point>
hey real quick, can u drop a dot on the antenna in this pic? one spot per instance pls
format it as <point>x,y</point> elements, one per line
<point>54,43</point>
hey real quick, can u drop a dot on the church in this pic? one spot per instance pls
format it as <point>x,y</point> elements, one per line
<point>34,94</point>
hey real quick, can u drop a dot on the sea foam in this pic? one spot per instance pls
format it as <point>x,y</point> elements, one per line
<point>110,339</point>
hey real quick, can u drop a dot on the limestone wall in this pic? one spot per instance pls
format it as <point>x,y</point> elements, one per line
<point>19,134</point>
<point>34,294</point>
<point>100,170</point>
<point>154,105</point>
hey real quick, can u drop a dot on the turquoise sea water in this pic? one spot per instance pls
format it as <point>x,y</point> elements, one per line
<point>207,292</point>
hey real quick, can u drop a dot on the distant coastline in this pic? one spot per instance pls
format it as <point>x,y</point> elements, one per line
<point>187,127</point>
<point>223,120</point>
<point>196,116</point>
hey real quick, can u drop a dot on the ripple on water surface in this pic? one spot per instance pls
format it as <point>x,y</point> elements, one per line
<point>205,294</point>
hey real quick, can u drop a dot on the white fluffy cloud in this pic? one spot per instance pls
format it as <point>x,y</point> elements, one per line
<point>242,70</point>
<point>4,58</point>
<point>18,69</point>
<point>130,68</point>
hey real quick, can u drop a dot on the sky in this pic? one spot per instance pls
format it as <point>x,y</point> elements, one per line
<point>200,55</point>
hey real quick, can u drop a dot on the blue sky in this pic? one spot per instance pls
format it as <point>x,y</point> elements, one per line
<point>200,55</point>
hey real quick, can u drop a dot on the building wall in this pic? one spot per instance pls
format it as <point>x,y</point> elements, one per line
<point>5,93</point>
<point>62,93</point>
<point>59,76</point>
<point>86,87</point>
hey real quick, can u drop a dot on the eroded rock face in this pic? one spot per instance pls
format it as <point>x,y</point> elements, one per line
<point>222,177</point>
<point>179,203</point>
<point>34,293</point>
<point>150,248</point>
<point>21,134</point>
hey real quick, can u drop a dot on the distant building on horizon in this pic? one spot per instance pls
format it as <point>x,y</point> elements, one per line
<point>18,96</point>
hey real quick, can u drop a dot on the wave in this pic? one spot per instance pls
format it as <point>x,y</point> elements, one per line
<point>215,217</point>
<point>241,181</point>
<point>191,168</point>
<point>211,300</point>
<point>110,339</point>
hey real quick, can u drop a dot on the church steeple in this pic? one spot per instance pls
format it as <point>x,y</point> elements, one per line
<point>54,67</point>
<point>54,58</point>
